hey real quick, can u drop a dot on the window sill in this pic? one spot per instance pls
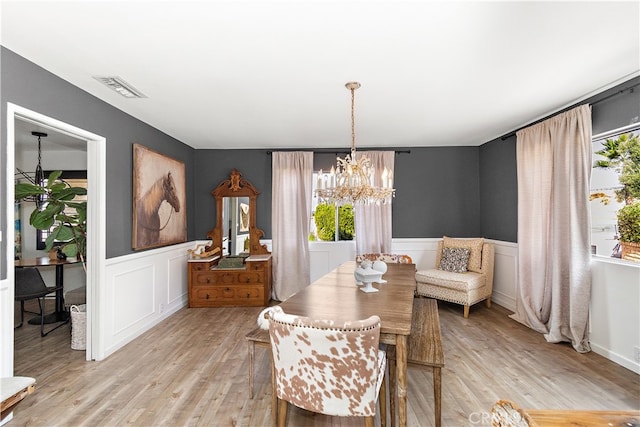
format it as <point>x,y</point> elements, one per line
<point>611,260</point>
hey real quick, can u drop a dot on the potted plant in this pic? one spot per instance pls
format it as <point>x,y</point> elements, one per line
<point>65,217</point>
<point>629,231</point>
<point>623,156</point>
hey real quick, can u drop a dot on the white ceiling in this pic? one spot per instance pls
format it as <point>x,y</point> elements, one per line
<point>271,74</point>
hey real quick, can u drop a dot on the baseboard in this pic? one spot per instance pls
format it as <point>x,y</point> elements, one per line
<point>614,357</point>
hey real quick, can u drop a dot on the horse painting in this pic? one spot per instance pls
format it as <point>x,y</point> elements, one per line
<point>148,225</point>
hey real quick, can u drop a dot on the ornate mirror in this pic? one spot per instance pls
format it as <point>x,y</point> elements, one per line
<point>236,232</point>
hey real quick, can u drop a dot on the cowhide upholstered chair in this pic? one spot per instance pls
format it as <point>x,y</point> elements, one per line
<point>388,258</point>
<point>327,367</point>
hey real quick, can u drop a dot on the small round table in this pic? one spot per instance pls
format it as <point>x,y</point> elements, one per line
<point>60,314</point>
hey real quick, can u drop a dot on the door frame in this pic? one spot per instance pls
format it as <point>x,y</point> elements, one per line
<point>96,220</point>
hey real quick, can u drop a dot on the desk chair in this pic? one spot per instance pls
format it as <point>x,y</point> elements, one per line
<point>328,368</point>
<point>29,285</point>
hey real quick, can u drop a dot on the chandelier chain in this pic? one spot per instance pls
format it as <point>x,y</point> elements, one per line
<point>353,122</point>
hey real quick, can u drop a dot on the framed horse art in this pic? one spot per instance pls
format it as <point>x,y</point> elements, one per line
<point>159,198</point>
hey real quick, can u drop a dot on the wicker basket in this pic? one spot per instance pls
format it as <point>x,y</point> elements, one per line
<point>78,327</point>
<point>630,251</point>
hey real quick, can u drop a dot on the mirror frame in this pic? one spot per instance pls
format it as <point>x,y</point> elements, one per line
<point>237,186</point>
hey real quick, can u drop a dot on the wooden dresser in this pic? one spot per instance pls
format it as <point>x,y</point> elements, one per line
<point>211,286</point>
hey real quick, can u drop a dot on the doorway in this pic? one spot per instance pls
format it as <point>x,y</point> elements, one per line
<point>96,230</point>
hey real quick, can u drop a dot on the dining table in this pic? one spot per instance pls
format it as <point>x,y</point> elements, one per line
<point>336,296</point>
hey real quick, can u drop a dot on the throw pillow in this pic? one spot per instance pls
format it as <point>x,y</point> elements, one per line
<point>454,259</point>
<point>475,249</point>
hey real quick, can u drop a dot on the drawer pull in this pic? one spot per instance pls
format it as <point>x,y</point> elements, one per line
<point>208,279</point>
<point>248,295</point>
<point>248,280</point>
<point>207,296</point>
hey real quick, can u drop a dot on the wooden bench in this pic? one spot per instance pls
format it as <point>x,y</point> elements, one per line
<point>425,349</point>
<point>12,391</point>
<point>560,418</point>
<point>261,337</point>
<point>503,412</point>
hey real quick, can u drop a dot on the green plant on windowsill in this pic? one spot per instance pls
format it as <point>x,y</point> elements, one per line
<point>623,156</point>
<point>67,216</point>
<point>629,231</point>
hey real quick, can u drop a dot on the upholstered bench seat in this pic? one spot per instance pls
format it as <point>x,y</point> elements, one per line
<point>466,287</point>
<point>447,279</point>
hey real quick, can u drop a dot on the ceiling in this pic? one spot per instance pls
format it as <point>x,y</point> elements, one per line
<point>54,141</point>
<point>271,74</point>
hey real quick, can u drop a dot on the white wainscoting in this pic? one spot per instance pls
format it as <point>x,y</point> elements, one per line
<point>325,256</point>
<point>142,289</point>
<point>615,311</point>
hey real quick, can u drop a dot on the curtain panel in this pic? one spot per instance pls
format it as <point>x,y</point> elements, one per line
<point>373,222</point>
<point>292,175</point>
<point>554,277</point>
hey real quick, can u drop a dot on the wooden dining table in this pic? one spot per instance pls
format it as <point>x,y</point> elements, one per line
<point>336,296</point>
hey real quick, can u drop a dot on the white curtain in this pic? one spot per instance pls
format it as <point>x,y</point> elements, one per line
<point>292,175</point>
<point>554,278</point>
<point>373,222</point>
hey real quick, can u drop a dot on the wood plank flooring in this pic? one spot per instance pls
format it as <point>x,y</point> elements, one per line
<point>191,370</point>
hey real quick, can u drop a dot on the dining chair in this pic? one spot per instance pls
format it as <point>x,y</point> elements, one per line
<point>29,285</point>
<point>328,367</point>
<point>388,258</point>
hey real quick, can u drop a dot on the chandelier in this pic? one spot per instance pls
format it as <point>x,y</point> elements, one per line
<point>351,181</point>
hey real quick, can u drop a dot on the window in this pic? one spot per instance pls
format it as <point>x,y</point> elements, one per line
<point>74,179</point>
<point>324,217</point>
<point>606,194</point>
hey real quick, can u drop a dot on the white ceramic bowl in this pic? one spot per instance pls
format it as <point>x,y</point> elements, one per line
<point>380,266</point>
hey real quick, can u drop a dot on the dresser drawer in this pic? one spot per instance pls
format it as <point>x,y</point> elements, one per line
<point>211,277</point>
<point>199,266</point>
<point>205,296</point>
<point>256,266</point>
<point>251,277</point>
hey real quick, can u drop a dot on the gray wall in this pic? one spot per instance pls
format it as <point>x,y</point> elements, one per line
<point>499,190</point>
<point>214,166</point>
<point>457,191</point>
<point>498,177</point>
<point>437,188</point>
<point>27,85</point>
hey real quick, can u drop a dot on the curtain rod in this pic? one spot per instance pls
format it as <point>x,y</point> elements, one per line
<point>620,92</point>
<point>336,152</point>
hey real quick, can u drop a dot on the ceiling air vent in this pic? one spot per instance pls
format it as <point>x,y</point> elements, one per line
<point>123,88</point>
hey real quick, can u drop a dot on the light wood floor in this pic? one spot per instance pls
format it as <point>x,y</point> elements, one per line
<point>191,370</point>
